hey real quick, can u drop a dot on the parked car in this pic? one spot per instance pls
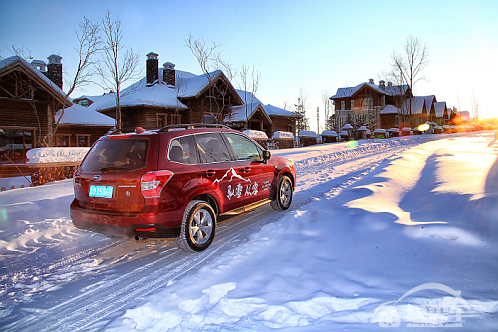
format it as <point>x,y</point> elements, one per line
<point>175,182</point>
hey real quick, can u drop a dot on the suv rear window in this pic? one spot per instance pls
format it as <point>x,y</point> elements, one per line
<point>116,155</point>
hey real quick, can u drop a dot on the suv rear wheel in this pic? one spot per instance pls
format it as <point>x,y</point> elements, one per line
<point>283,198</point>
<point>198,227</point>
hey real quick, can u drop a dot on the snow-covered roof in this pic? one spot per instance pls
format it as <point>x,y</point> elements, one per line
<point>389,109</point>
<point>440,108</point>
<point>160,94</point>
<point>362,128</point>
<point>417,105</point>
<point>80,115</point>
<point>256,134</point>
<point>351,91</point>
<point>379,131</point>
<point>347,126</point>
<point>12,61</point>
<point>139,94</point>
<point>92,98</point>
<point>277,111</point>
<point>396,90</point>
<point>193,85</point>
<point>392,90</point>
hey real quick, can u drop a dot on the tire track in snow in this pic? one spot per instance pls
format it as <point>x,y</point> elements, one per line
<point>115,294</point>
<point>107,298</point>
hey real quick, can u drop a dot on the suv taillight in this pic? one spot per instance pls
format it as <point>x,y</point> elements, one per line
<point>152,183</point>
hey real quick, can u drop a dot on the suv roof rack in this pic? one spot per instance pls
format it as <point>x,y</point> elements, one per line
<point>192,126</point>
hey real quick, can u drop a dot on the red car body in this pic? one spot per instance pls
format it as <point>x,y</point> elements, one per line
<point>146,195</point>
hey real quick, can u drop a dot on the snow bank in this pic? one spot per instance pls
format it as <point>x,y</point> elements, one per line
<point>283,135</point>
<point>373,227</point>
<point>307,133</point>
<point>256,134</point>
<point>329,133</point>
<point>56,155</point>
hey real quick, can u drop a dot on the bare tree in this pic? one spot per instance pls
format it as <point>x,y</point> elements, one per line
<point>120,64</point>
<point>249,85</point>
<point>327,105</point>
<point>89,45</point>
<point>475,106</point>
<point>300,109</point>
<point>408,65</point>
<point>210,61</point>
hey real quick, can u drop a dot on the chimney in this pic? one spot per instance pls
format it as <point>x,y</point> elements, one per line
<point>389,83</point>
<point>39,65</point>
<point>169,74</point>
<point>371,81</point>
<point>54,69</point>
<point>152,68</point>
<point>382,85</point>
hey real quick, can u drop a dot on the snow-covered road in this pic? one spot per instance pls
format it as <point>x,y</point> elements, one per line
<point>367,224</point>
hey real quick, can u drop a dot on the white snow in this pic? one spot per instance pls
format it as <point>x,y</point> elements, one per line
<point>283,135</point>
<point>56,155</point>
<point>80,115</point>
<point>329,133</point>
<point>307,133</point>
<point>366,228</point>
<point>256,134</point>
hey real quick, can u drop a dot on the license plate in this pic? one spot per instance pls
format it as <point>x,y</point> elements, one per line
<point>101,191</point>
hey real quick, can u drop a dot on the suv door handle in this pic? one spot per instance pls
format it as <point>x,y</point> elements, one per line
<point>210,173</point>
<point>245,170</point>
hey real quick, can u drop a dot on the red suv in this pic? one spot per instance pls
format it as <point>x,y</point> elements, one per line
<point>175,182</point>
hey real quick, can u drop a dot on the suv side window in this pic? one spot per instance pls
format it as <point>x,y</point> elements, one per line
<point>181,150</point>
<point>243,148</point>
<point>212,148</point>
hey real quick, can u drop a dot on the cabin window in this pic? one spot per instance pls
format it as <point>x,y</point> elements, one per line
<point>176,119</point>
<point>367,103</point>
<point>63,140</point>
<point>14,142</point>
<point>343,104</point>
<point>352,104</point>
<point>82,141</point>
<point>161,120</point>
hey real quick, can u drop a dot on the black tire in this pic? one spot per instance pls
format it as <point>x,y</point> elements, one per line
<point>198,227</point>
<point>283,198</point>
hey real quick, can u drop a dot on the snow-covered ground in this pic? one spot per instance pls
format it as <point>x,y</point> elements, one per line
<point>400,232</point>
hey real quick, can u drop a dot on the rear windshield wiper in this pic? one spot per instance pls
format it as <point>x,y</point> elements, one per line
<point>107,169</point>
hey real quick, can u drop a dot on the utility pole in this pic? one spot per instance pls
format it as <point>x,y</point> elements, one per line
<point>318,120</point>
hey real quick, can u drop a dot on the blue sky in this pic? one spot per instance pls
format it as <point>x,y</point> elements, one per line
<point>312,45</point>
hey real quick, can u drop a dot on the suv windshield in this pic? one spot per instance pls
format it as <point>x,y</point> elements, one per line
<point>116,155</point>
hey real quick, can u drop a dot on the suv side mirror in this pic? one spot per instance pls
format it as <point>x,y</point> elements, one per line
<point>266,155</point>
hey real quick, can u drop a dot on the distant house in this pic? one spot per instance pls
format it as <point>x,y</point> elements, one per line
<point>443,115</point>
<point>416,108</point>
<point>385,106</point>
<point>80,126</point>
<point>363,103</point>
<point>254,115</point>
<point>251,115</point>
<point>166,96</point>
<point>282,120</point>
<point>30,97</point>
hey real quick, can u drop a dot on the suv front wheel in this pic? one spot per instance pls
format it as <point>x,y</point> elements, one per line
<point>198,227</point>
<point>283,198</point>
